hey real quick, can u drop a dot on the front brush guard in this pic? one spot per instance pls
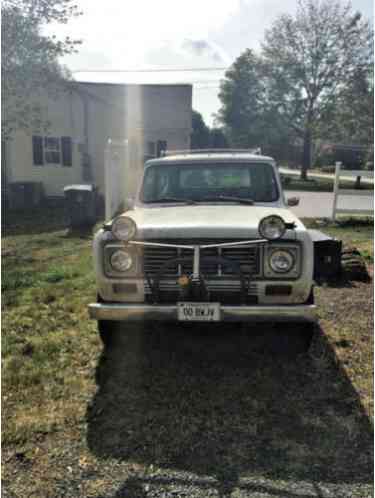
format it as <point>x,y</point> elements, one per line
<point>155,284</point>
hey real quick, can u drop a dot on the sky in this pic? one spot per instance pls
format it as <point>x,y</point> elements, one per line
<point>171,34</point>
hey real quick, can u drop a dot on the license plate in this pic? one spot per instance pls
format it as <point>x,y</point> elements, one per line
<point>198,312</point>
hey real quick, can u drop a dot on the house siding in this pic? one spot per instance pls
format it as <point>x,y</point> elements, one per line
<point>138,113</point>
<point>65,117</point>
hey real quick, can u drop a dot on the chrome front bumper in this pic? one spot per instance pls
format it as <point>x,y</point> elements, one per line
<point>257,313</point>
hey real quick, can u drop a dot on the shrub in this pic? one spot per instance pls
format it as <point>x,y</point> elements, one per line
<point>56,274</point>
<point>16,279</point>
<point>328,169</point>
<point>286,180</point>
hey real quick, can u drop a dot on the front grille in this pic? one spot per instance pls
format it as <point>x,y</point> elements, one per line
<point>214,286</point>
<point>247,257</point>
<point>223,291</point>
<point>222,281</point>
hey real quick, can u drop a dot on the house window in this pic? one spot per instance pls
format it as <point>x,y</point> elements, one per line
<point>150,149</point>
<point>52,150</point>
<point>161,146</point>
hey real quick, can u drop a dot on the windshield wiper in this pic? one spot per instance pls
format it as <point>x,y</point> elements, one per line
<point>171,199</point>
<point>228,198</point>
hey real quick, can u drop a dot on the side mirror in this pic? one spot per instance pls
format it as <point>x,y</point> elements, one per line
<point>293,201</point>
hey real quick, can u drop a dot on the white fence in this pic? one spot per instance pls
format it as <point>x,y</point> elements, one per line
<point>337,191</point>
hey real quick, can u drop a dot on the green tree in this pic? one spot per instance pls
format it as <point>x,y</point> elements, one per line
<point>351,117</point>
<point>29,63</point>
<point>309,59</point>
<point>242,101</point>
<point>204,137</point>
<point>218,139</point>
<point>200,136</point>
<point>248,116</point>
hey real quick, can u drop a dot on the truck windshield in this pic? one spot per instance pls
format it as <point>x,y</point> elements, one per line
<point>206,182</point>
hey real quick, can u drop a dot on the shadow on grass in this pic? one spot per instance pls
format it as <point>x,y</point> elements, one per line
<point>42,220</point>
<point>345,283</point>
<point>34,221</point>
<point>336,283</point>
<point>217,405</point>
<point>82,232</point>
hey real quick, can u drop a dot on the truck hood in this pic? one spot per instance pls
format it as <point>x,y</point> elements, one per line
<point>202,221</point>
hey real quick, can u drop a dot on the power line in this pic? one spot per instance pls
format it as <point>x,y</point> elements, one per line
<point>183,69</point>
<point>216,88</point>
<point>206,83</point>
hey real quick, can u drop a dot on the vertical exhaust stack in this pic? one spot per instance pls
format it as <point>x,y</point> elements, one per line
<point>123,170</point>
<point>116,164</point>
<point>124,153</point>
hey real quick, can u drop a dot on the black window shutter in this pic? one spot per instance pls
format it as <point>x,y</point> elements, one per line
<point>66,149</point>
<point>38,150</point>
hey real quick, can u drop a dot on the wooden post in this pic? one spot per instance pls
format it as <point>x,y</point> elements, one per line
<point>336,187</point>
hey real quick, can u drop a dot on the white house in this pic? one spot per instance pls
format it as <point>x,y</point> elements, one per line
<point>82,120</point>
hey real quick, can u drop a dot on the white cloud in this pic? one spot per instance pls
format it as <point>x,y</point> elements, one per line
<point>120,34</point>
<point>206,49</point>
<point>127,30</point>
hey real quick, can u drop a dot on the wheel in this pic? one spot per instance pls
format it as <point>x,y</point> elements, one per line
<point>107,332</point>
<point>294,338</point>
<point>129,335</point>
<point>311,298</point>
<point>106,328</point>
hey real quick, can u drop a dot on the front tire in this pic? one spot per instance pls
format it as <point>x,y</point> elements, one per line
<point>294,338</point>
<point>107,328</point>
<point>107,332</point>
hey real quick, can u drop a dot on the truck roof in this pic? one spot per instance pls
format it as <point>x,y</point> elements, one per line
<point>190,156</point>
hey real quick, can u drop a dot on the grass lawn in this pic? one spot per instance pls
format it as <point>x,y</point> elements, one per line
<point>188,412</point>
<point>47,338</point>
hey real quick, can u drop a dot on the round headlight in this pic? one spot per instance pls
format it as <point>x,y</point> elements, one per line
<point>272,227</point>
<point>121,260</point>
<point>281,261</point>
<point>124,228</point>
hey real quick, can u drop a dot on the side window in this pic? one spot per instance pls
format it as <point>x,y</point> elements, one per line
<point>66,151</point>
<point>149,184</point>
<point>163,183</point>
<point>38,150</point>
<point>266,188</point>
